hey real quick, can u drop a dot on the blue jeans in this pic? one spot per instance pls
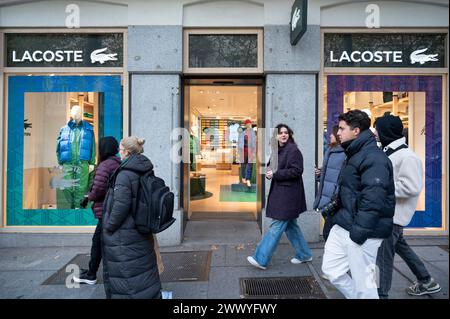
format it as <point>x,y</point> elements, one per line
<point>269,243</point>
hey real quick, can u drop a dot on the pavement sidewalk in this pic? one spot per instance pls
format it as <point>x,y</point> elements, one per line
<point>24,269</point>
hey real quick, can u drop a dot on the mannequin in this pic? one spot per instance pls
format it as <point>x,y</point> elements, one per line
<point>75,150</point>
<point>246,152</point>
<point>194,147</point>
<point>234,132</point>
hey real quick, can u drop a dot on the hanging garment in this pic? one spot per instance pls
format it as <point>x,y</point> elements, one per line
<point>75,157</point>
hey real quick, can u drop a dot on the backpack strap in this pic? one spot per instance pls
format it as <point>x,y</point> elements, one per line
<point>391,151</point>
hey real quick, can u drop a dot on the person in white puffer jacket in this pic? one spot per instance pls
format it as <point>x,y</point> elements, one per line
<point>408,180</point>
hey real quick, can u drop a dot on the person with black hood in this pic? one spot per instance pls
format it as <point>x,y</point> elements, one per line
<point>408,172</point>
<point>108,162</point>
<point>366,202</point>
<point>129,260</point>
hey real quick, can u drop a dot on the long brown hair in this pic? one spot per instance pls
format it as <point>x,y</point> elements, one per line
<point>334,131</point>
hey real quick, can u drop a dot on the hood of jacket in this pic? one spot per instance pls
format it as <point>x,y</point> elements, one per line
<point>389,129</point>
<point>137,163</point>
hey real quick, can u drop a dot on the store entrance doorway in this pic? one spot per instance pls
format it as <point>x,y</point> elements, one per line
<point>223,117</point>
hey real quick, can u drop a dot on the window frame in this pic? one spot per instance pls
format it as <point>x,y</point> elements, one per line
<point>260,55</point>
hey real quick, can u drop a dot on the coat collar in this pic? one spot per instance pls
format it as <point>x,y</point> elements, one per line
<point>72,124</point>
<point>336,149</point>
<point>365,138</point>
<point>395,144</point>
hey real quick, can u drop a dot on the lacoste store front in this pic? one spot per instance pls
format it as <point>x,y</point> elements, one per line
<point>404,73</point>
<point>59,86</point>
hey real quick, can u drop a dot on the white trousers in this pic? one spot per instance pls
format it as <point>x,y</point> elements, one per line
<point>341,255</point>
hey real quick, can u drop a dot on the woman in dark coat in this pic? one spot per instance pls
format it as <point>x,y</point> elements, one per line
<point>108,147</point>
<point>285,202</point>
<point>129,260</point>
<point>329,173</point>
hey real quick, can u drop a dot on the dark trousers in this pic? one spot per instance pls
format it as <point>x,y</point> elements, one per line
<point>385,260</point>
<point>247,170</point>
<point>327,227</point>
<point>96,250</point>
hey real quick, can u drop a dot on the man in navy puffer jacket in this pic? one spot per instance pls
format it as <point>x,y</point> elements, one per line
<point>365,216</point>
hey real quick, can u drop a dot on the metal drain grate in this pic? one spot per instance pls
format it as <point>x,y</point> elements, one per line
<point>186,266</point>
<point>178,266</point>
<point>80,260</point>
<point>444,247</point>
<point>281,288</point>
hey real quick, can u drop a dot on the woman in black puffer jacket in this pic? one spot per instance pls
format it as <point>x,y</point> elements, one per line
<point>129,259</point>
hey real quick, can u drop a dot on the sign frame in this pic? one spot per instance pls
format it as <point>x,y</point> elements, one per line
<point>299,12</point>
<point>94,50</point>
<point>373,55</point>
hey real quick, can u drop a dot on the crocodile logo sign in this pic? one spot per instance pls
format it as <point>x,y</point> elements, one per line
<point>418,57</point>
<point>298,20</point>
<point>101,57</point>
<point>295,18</point>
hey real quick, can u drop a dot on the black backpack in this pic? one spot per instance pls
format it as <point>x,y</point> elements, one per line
<point>153,212</point>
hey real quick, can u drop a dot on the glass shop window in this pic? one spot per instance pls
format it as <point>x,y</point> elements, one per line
<point>60,148</point>
<point>223,51</point>
<point>409,106</point>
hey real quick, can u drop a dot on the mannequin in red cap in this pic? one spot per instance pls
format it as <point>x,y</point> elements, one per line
<point>246,152</point>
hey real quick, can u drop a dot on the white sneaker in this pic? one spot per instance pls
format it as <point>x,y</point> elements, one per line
<point>252,261</point>
<point>325,277</point>
<point>166,295</point>
<point>298,261</point>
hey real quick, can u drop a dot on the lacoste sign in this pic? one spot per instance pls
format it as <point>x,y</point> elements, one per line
<point>64,50</point>
<point>384,56</point>
<point>385,50</point>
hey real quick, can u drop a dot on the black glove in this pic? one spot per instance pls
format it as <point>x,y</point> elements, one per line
<point>84,202</point>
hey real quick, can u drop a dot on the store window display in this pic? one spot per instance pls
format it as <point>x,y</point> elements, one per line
<point>46,178</point>
<point>247,152</point>
<point>48,137</point>
<point>75,151</point>
<point>418,101</point>
<point>409,106</point>
<point>233,134</point>
<point>194,147</point>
